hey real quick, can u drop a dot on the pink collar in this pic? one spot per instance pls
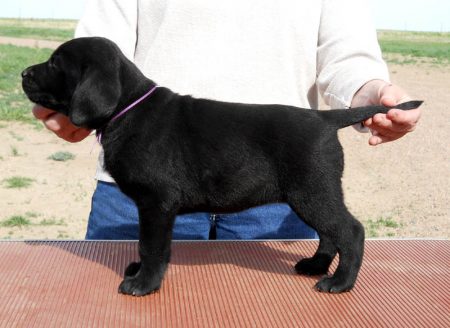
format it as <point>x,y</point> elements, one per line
<point>122,112</point>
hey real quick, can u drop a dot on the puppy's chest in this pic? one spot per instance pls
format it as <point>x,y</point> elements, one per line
<point>134,162</point>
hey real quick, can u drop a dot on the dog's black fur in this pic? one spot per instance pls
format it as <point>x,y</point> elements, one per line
<point>175,154</point>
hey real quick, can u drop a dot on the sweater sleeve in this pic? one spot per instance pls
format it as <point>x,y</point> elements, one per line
<point>348,54</point>
<point>112,19</point>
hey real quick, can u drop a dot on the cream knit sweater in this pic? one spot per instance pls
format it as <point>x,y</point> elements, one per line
<point>251,51</point>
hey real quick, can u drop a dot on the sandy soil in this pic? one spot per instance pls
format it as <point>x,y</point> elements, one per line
<point>406,182</point>
<point>23,42</point>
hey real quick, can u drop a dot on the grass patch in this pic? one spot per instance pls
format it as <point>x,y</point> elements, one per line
<point>17,182</point>
<point>43,29</point>
<point>62,156</point>
<point>16,136</point>
<point>373,227</point>
<point>15,221</point>
<point>416,45</point>
<point>23,220</point>
<point>14,105</point>
<point>14,151</point>
<point>52,222</point>
<point>36,33</point>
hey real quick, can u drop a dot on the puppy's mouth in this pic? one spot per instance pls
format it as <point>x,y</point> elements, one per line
<point>32,90</point>
<point>44,99</point>
<point>29,86</point>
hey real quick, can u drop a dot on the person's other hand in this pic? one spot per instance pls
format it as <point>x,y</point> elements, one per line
<point>60,124</point>
<point>396,123</point>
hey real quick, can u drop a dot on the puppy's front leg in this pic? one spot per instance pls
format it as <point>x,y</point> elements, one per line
<point>155,234</point>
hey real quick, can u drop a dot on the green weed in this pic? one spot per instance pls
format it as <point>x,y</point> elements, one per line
<point>17,182</point>
<point>14,151</point>
<point>62,156</point>
<point>52,222</point>
<point>23,220</point>
<point>15,221</point>
<point>372,227</point>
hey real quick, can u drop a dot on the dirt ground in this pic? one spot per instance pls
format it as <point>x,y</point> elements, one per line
<point>406,182</point>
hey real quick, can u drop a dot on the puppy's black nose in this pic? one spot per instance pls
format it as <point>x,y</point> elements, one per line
<point>27,72</point>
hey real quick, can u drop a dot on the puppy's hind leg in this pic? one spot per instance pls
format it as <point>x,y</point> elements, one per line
<point>155,230</point>
<point>320,262</point>
<point>338,231</point>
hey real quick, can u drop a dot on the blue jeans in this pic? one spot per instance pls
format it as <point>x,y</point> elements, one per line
<point>114,216</point>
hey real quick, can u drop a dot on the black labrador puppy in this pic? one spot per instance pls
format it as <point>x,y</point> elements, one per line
<point>176,154</point>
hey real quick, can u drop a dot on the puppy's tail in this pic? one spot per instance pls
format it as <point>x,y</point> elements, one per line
<point>340,118</point>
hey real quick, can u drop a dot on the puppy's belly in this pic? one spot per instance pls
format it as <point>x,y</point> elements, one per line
<point>240,191</point>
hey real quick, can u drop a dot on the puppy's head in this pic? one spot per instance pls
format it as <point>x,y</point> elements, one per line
<point>82,79</point>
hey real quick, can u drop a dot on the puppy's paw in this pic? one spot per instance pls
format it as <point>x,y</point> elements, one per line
<point>139,285</point>
<point>334,285</point>
<point>312,266</point>
<point>132,269</point>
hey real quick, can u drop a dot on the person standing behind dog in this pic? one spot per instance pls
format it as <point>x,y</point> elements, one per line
<point>254,51</point>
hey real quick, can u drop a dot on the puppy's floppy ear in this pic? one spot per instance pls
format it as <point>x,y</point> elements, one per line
<point>95,98</point>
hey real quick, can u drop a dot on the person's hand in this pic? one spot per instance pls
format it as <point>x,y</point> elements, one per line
<point>396,123</point>
<point>60,124</point>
